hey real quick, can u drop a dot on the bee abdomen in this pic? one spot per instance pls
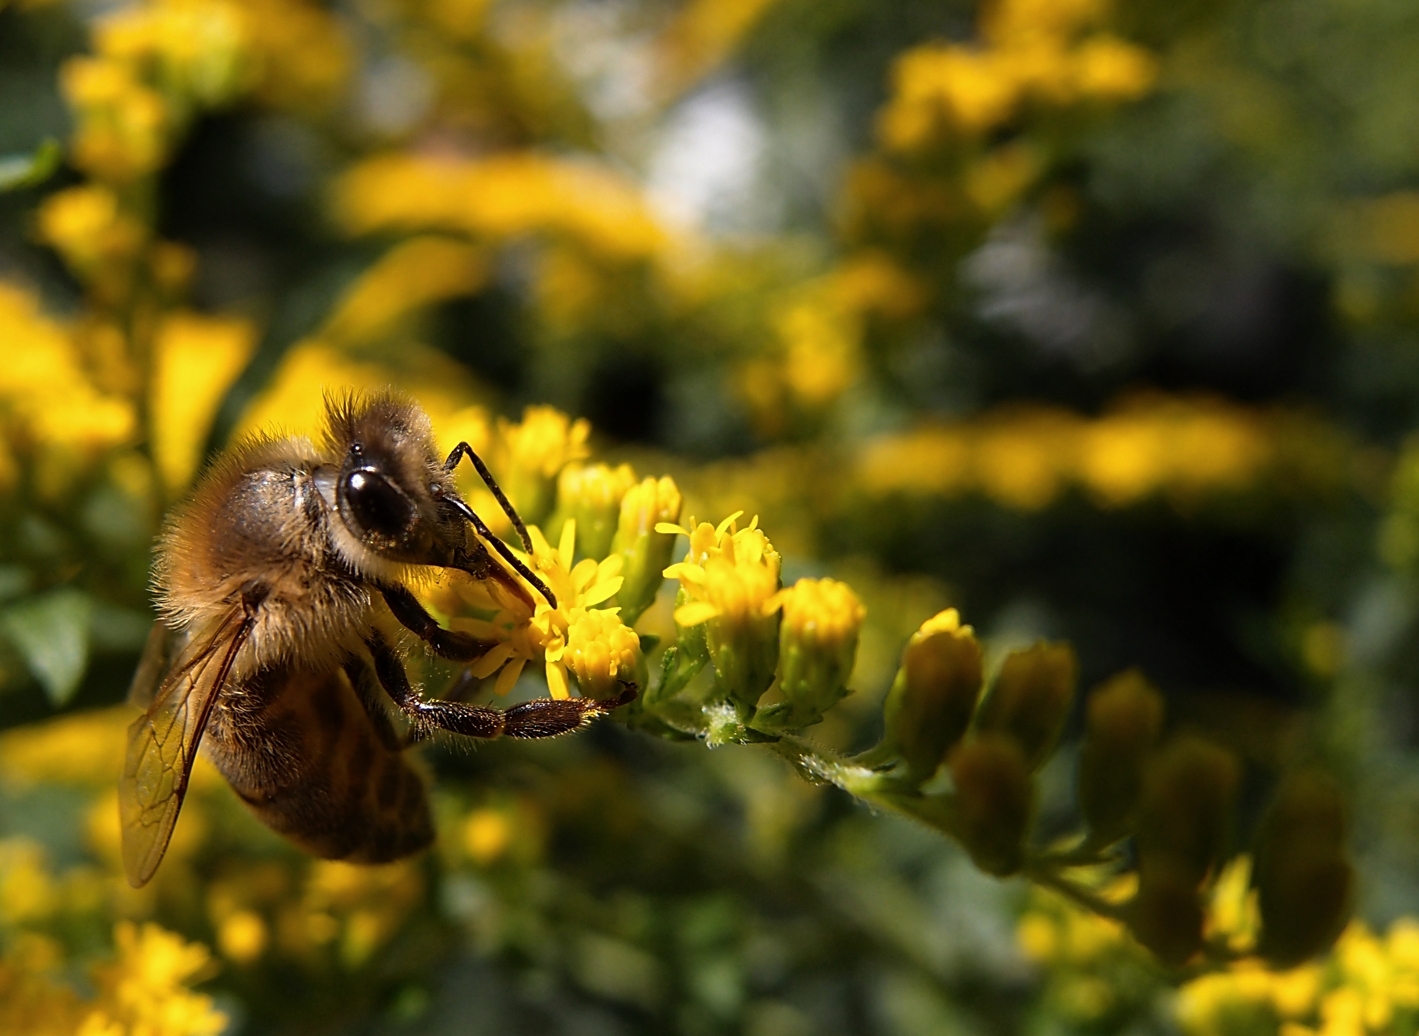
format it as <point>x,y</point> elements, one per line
<point>304,755</point>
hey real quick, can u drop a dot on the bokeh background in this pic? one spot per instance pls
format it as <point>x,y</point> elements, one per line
<point>1099,322</point>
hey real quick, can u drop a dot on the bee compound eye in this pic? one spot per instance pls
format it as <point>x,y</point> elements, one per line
<point>377,505</point>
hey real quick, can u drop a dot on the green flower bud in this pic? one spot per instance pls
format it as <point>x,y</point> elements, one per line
<point>817,649</point>
<point>932,699</point>
<point>1166,915</point>
<point>647,552</point>
<point>1030,699</point>
<point>1123,719</point>
<point>1304,881</point>
<point>592,494</point>
<point>995,798</point>
<point>1185,812</point>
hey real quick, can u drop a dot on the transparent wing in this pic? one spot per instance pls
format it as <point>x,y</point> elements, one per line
<point>163,645</point>
<point>162,744</point>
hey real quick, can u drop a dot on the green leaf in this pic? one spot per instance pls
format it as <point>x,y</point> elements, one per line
<point>20,171</point>
<point>51,633</point>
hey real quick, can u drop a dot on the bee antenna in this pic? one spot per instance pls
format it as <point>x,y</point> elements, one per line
<point>502,548</point>
<point>464,450</point>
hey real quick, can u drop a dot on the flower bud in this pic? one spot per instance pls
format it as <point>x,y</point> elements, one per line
<point>647,551</point>
<point>1185,812</point>
<point>1122,721</point>
<point>817,649</point>
<point>932,699</point>
<point>1166,914</point>
<point>1304,881</point>
<point>533,453</point>
<point>604,654</point>
<point>592,494</point>
<point>1030,699</point>
<point>995,797</point>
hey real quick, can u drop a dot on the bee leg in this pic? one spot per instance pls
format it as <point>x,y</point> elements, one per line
<point>541,717</point>
<point>450,644</point>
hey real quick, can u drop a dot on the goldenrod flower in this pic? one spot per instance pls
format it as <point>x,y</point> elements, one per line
<point>196,53</point>
<point>145,990</point>
<point>603,653</point>
<point>599,648</point>
<point>646,550</point>
<point>87,228</point>
<point>817,649</point>
<point>591,494</point>
<point>123,126</point>
<point>533,453</point>
<point>727,582</point>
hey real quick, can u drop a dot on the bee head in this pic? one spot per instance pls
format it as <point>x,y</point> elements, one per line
<point>389,493</point>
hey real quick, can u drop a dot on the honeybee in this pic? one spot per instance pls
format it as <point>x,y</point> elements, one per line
<point>282,588</point>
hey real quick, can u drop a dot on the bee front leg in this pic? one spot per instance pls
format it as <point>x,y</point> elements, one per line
<point>451,644</point>
<point>541,717</point>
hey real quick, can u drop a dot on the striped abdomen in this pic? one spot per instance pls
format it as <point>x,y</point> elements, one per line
<point>305,755</point>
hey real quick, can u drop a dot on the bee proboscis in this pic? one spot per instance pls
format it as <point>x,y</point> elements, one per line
<point>283,587</point>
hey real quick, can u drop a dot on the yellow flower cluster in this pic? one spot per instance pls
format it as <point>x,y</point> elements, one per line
<point>1369,984</point>
<point>500,198</point>
<point>157,62</point>
<point>819,327</point>
<point>1031,51</point>
<point>1185,447</point>
<point>144,991</point>
<point>48,404</point>
<point>577,636</point>
<point>587,636</point>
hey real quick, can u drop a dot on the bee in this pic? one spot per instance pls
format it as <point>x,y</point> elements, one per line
<point>282,589</point>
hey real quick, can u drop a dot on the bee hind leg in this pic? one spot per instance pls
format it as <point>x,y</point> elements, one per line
<point>541,717</point>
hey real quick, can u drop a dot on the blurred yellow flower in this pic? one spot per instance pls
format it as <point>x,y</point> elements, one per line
<point>122,126</point>
<point>1032,51</point>
<point>145,990</point>
<point>195,361</point>
<point>411,275</point>
<point>500,198</point>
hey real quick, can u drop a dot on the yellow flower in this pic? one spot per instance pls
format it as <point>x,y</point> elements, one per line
<point>86,226</point>
<point>603,653</point>
<point>122,127</point>
<point>194,51</point>
<point>500,198</point>
<point>533,453</point>
<point>727,583</point>
<point>591,494</point>
<point>598,645</point>
<point>196,360</point>
<point>145,990</point>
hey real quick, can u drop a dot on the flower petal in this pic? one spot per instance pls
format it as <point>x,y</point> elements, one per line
<point>566,549</point>
<point>694,613</point>
<point>602,592</point>
<point>489,663</point>
<point>509,676</point>
<point>722,526</point>
<point>557,681</point>
<point>583,574</point>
